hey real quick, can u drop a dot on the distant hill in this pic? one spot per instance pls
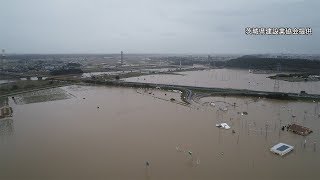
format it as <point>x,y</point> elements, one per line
<point>263,63</point>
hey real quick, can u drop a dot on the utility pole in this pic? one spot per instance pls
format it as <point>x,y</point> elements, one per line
<point>276,85</point>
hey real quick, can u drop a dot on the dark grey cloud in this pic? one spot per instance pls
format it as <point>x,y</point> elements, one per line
<point>155,26</point>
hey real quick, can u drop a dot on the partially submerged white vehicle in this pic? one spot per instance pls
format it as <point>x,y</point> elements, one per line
<point>223,125</point>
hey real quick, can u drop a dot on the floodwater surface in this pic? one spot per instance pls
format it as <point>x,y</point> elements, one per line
<point>110,133</point>
<point>230,78</point>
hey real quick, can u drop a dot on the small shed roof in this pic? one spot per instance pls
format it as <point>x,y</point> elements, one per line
<point>281,149</point>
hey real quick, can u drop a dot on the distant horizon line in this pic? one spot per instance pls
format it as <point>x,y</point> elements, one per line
<point>162,53</point>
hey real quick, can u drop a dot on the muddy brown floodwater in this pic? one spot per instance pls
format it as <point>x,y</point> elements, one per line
<point>74,139</point>
<point>230,78</point>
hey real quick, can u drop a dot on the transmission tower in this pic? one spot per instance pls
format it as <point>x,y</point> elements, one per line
<point>121,57</point>
<point>3,55</point>
<point>276,85</point>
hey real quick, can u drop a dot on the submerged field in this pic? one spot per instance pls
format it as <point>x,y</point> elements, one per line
<point>109,133</point>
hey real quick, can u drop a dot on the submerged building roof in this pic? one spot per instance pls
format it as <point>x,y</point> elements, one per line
<point>298,129</point>
<point>281,149</point>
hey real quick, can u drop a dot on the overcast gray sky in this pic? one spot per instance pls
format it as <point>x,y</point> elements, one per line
<point>155,26</point>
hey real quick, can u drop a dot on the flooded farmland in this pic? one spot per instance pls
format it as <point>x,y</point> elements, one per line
<point>110,133</point>
<point>5,81</point>
<point>230,78</point>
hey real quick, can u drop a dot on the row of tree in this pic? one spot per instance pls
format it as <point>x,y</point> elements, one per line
<point>262,63</point>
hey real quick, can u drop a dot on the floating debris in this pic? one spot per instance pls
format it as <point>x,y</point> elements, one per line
<point>178,148</point>
<point>224,109</point>
<point>281,149</point>
<point>147,163</point>
<point>212,104</point>
<point>198,161</point>
<point>245,113</point>
<point>172,99</point>
<point>298,129</point>
<point>223,125</point>
<point>176,91</point>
